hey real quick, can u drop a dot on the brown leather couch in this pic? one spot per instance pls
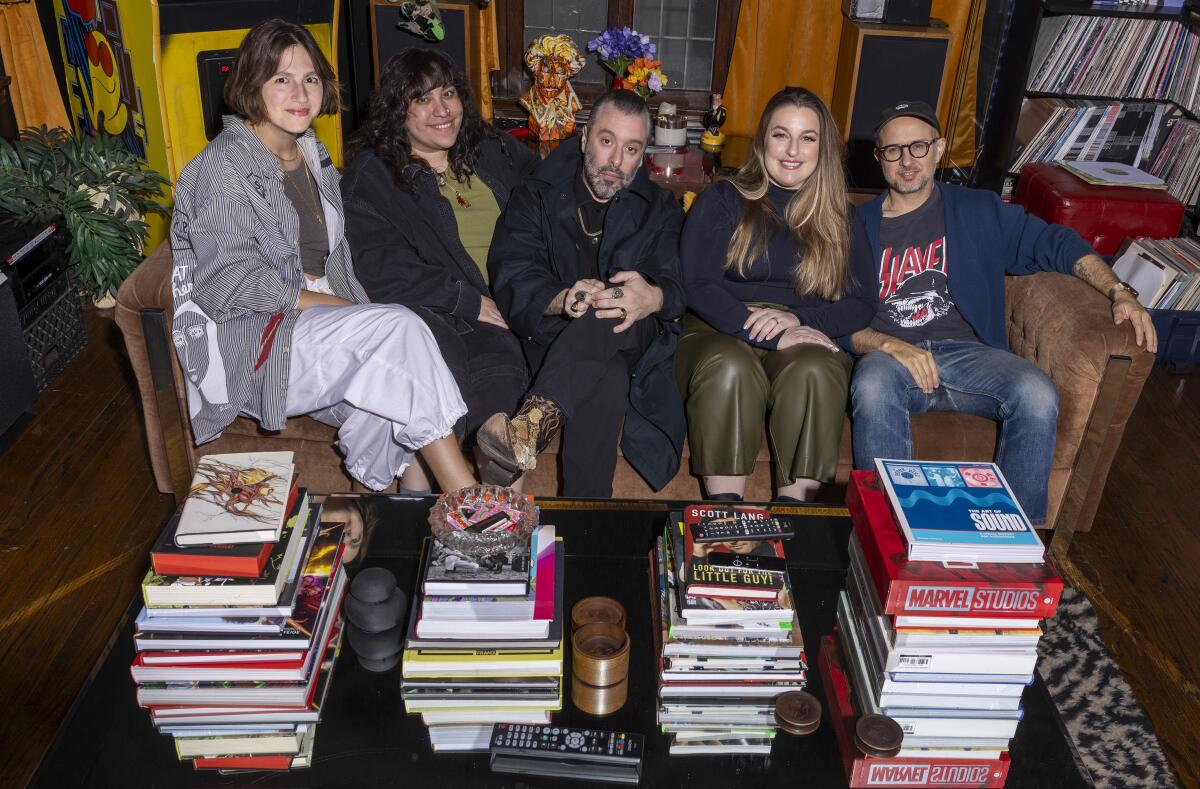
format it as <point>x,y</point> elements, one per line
<point>1057,321</point>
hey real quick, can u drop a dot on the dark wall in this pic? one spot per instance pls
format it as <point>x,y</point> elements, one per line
<point>45,9</point>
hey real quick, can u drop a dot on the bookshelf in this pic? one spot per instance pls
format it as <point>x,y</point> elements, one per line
<point>1030,33</point>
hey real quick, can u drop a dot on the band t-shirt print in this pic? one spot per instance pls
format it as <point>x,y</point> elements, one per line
<point>913,272</point>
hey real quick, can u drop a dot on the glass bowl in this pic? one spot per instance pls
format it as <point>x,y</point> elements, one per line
<point>478,545</point>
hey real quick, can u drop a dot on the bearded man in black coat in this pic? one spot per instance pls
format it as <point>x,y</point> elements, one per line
<point>584,267</point>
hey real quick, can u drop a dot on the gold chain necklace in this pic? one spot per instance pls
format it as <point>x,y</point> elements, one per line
<point>294,158</point>
<point>443,183</point>
<point>583,225</point>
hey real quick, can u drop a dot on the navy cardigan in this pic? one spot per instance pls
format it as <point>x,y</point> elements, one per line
<point>986,239</point>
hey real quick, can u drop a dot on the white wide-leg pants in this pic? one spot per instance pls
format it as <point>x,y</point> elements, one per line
<point>374,372</point>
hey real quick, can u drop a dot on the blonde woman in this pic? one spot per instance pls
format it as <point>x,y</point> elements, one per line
<point>764,258</point>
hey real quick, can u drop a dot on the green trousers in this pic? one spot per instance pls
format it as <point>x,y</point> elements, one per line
<point>730,388</point>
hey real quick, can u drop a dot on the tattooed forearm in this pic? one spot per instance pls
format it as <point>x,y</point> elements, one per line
<point>1096,273</point>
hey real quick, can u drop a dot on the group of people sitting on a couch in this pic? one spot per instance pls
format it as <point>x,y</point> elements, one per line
<point>449,286</point>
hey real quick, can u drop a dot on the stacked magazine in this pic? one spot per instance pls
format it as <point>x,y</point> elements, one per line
<point>484,642</point>
<point>236,642</point>
<point>728,641</point>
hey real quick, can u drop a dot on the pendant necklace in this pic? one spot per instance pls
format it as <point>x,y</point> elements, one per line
<point>313,204</point>
<point>443,183</point>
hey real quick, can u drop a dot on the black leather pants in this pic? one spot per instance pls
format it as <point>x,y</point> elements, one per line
<point>731,388</point>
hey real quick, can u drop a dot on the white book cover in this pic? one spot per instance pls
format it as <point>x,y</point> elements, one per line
<point>1149,277</point>
<point>235,498</point>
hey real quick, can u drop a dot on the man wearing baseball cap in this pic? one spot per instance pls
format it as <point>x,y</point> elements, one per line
<point>936,265</point>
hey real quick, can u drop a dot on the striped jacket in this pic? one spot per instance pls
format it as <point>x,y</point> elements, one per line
<point>236,278</point>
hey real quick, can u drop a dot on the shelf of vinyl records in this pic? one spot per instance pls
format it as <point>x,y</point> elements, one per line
<point>1113,88</point>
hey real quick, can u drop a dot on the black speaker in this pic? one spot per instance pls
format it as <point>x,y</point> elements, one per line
<point>907,12</point>
<point>17,389</point>
<point>879,65</point>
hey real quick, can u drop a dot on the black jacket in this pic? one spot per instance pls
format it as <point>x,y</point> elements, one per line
<point>405,245</point>
<point>534,256</point>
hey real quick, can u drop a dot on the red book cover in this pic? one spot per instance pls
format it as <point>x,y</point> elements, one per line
<point>268,762</point>
<point>701,550</point>
<point>915,588</point>
<point>864,771</point>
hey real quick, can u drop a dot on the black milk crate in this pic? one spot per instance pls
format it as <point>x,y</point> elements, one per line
<point>53,326</point>
<point>1178,338</point>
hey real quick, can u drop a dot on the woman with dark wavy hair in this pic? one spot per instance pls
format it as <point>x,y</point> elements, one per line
<point>426,183</point>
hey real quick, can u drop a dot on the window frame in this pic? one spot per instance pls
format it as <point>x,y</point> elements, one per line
<point>510,81</point>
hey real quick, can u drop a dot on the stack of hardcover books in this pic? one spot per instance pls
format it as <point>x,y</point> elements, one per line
<point>945,649</point>
<point>485,641</point>
<point>728,641</point>
<point>236,642</point>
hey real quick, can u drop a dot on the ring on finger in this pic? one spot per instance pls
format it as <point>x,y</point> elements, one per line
<point>623,312</point>
<point>617,292</point>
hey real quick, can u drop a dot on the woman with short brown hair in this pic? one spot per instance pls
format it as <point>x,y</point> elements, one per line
<point>270,320</point>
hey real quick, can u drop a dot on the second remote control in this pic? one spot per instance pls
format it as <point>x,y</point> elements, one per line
<point>562,742</point>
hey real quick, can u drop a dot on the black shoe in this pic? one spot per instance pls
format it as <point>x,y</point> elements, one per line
<point>724,497</point>
<point>787,500</point>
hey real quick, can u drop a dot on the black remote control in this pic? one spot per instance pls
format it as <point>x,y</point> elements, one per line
<point>560,751</point>
<point>735,530</point>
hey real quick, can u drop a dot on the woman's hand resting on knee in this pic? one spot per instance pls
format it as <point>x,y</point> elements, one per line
<point>801,335</point>
<point>766,323</point>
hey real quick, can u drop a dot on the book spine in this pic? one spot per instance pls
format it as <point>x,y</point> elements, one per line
<point>1023,598</point>
<point>869,772</point>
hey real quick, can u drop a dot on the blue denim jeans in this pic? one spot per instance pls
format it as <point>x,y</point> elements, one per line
<point>973,378</point>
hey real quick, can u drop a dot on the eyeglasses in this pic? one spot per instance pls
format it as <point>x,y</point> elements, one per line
<point>918,148</point>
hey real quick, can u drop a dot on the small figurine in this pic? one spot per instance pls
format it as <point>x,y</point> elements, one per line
<point>421,18</point>
<point>551,100</point>
<point>712,139</point>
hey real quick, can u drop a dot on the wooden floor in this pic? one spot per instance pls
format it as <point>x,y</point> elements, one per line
<point>78,511</point>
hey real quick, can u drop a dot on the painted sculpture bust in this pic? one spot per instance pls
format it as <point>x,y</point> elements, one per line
<point>551,100</point>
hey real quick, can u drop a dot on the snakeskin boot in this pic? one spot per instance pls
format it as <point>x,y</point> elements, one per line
<point>512,445</point>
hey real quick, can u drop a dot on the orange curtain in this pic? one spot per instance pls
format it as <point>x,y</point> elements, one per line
<point>783,42</point>
<point>778,43</point>
<point>35,96</point>
<point>960,121</point>
<point>489,59</point>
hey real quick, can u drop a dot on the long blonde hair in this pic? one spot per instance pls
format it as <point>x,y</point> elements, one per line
<point>816,214</point>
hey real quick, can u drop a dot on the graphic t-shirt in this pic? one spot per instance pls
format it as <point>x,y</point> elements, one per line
<point>913,272</point>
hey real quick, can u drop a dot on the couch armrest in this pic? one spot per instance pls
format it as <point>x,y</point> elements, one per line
<point>1065,326</point>
<point>148,289</point>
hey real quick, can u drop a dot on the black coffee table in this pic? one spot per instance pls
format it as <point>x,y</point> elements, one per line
<point>366,739</point>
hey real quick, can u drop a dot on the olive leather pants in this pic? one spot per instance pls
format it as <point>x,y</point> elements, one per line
<point>730,387</point>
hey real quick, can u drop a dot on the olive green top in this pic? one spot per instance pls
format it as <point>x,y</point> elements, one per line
<point>476,213</point>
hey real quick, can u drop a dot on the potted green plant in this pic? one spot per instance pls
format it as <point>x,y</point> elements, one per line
<point>101,191</point>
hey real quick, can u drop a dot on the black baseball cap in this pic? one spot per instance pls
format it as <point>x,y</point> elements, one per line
<point>911,109</point>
